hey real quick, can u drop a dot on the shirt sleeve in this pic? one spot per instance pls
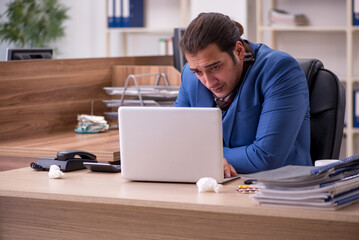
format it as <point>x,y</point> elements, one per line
<point>284,109</point>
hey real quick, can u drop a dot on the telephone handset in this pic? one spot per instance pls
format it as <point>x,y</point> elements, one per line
<point>71,154</point>
<point>67,160</point>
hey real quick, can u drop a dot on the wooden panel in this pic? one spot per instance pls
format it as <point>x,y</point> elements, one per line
<point>56,66</point>
<point>41,119</point>
<point>8,163</point>
<point>55,88</point>
<point>120,74</point>
<point>42,97</point>
<point>159,60</point>
<point>76,220</point>
<point>104,145</point>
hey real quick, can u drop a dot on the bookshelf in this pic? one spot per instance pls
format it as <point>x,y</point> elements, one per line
<point>148,29</point>
<point>329,37</point>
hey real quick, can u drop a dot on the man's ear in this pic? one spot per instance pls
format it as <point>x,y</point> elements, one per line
<point>239,50</point>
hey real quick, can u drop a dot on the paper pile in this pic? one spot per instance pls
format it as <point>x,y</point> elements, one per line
<point>91,124</point>
<point>326,187</point>
<point>284,18</point>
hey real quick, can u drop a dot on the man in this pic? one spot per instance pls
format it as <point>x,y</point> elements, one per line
<point>262,92</point>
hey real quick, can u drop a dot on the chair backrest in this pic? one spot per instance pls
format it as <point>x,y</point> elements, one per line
<point>327,107</point>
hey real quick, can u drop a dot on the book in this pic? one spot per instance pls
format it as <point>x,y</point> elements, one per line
<point>118,13</point>
<point>321,203</point>
<point>356,108</point>
<point>162,46</point>
<point>332,186</point>
<point>125,13</point>
<point>136,13</point>
<point>169,50</point>
<point>281,17</point>
<point>111,13</point>
<point>355,12</point>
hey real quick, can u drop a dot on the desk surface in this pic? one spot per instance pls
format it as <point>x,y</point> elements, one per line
<point>179,202</point>
<point>104,145</point>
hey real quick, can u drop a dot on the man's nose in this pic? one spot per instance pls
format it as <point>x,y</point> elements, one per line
<point>209,80</point>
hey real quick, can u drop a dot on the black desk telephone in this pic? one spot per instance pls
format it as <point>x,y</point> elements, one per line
<point>66,160</point>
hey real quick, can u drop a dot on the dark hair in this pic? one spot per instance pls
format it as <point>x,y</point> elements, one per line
<point>208,28</point>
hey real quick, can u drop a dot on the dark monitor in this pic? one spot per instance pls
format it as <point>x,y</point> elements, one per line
<point>28,53</point>
<point>179,59</point>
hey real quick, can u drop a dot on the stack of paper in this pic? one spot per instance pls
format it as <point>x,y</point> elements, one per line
<point>327,187</point>
<point>282,17</point>
<point>91,124</point>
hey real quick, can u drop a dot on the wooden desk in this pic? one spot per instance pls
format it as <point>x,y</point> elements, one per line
<point>88,205</point>
<point>40,98</point>
<point>21,152</point>
<point>40,101</point>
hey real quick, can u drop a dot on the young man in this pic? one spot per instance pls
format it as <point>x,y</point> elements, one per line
<point>262,92</point>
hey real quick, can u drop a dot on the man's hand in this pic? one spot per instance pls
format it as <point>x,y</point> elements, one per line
<point>229,170</point>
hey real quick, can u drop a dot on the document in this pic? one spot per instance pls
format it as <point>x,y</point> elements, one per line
<point>326,187</point>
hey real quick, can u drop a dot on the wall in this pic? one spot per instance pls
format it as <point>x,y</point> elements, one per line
<point>330,47</point>
<point>159,14</point>
<point>86,28</point>
<point>236,9</point>
<point>3,46</point>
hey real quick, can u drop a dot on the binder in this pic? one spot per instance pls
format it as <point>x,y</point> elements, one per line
<point>118,13</point>
<point>356,108</point>
<point>125,13</point>
<point>355,12</point>
<point>136,13</point>
<point>111,13</point>
<point>332,186</point>
<point>298,176</point>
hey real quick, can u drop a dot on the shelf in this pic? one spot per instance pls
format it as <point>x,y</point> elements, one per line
<point>304,28</point>
<point>141,30</point>
<point>346,33</point>
<point>165,28</point>
<point>344,79</point>
<point>355,130</point>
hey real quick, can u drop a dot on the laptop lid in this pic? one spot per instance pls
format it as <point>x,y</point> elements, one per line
<point>170,144</point>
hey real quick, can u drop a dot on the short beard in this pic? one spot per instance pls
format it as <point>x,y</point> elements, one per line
<point>233,57</point>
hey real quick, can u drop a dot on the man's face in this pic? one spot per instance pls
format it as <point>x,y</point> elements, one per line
<point>216,69</point>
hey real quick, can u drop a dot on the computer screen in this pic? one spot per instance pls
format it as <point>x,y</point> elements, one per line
<point>28,53</point>
<point>178,57</point>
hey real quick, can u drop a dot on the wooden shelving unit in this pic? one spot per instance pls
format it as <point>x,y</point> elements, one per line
<point>345,29</point>
<point>125,32</point>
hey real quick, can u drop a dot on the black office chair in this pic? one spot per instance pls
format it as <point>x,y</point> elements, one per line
<point>327,107</point>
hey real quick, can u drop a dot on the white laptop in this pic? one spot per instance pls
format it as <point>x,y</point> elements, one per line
<point>170,144</point>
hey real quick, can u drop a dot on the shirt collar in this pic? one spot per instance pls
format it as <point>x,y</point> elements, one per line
<point>249,58</point>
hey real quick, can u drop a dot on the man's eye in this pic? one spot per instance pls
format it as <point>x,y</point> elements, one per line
<point>198,73</point>
<point>215,68</point>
